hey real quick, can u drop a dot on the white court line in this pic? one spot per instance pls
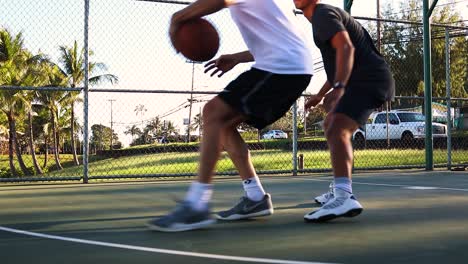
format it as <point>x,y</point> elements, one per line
<point>398,185</point>
<point>157,250</point>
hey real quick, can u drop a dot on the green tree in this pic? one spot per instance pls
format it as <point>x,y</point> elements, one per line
<point>101,137</point>
<point>34,76</point>
<point>170,128</point>
<point>403,49</point>
<point>53,101</point>
<point>133,131</point>
<point>315,115</point>
<point>197,123</point>
<point>13,65</point>
<point>72,60</point>
<point>285,123</point>
<point>402,46</point>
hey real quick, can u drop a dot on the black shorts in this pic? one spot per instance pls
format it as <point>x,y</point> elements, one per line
<point>362,97</point>
<point>264,97</point>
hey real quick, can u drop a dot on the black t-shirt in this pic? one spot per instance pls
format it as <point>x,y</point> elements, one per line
<point>329,20</point>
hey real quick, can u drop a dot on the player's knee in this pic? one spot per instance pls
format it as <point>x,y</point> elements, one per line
<point>241,153</point>
<point>337,132</point>
<point>211,112</point>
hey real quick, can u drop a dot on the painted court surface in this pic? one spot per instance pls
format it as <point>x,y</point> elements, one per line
<point>409,217</point>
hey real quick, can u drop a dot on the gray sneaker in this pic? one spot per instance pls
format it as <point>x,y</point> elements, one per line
<point>247,208</point>
<point>183,218</point>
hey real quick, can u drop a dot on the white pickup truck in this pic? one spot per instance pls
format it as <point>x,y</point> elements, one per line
<point>401,125</point>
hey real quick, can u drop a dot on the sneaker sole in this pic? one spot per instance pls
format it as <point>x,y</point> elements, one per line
<point>325,218</point>
<point>239,217</point>
<point>318,202</point>
<point>182,227</point>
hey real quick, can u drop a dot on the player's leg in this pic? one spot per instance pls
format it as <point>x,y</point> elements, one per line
<point>338,136</point>
<point>264,98</point>
<point>194,212</point>
<point>256,202</point>
<point>217,116</point>
<point>352,110</point>
<point>330,194</point>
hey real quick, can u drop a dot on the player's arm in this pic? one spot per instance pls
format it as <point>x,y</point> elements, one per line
<point>197,9</point>
<point>315,99</point>
<point>244,56</point>
<point>344,48</point>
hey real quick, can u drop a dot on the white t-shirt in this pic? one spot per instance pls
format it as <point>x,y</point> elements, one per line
<point>274,35</point>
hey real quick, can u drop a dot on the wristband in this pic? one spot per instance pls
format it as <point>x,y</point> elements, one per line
<point>338,85</point>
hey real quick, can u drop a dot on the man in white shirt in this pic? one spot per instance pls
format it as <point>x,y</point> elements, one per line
<point>281,72</point>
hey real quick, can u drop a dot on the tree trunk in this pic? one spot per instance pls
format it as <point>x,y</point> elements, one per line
<point>46,150</point>
<point>19,156</point>
<point>55,141</point>
<point>10,154</point>
<point>72,135</point>
<point>31,145</point>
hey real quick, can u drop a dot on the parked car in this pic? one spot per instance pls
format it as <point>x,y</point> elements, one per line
<point>402,125</point>
<point>274,134</point>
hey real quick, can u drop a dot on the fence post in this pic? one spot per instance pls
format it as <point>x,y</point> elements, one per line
<point>429,143</point>
<point>347,5</point>
<point>86,94</point>
<point>294,139</point>
<point>449,87</point>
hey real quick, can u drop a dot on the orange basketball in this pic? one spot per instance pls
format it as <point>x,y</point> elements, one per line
<point>197,40</point>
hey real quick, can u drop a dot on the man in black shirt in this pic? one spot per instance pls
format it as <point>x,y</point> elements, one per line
<point>360,81</point>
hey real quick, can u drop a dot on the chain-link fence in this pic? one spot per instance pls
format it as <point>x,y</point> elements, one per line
<point>142,112</point>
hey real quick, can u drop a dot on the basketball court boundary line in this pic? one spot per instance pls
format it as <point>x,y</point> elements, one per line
<point>395,185</point>
<point>156,250</point>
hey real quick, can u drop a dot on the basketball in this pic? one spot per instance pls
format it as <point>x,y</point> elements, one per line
<point>197,40</point>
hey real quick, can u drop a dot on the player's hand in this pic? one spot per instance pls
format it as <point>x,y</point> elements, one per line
<point>332,98</point>
<point>313,101</point>
<point>221,65</point>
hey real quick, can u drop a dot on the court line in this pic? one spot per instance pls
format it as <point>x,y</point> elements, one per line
<point>396,185</point>
<point>157,250</point>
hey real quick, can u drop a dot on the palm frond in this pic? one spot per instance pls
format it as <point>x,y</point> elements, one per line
<point>113,79</point>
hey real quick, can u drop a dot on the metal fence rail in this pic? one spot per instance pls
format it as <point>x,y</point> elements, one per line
<point>137,110</point>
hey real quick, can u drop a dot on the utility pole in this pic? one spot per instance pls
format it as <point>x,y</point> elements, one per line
<point>191,99</point>
<point>191,103</point>
<point>379,37</point>
<point>111,124</point>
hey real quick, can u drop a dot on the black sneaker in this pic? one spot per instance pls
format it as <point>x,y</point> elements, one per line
<point>183,218</point>
<point>247,208</point>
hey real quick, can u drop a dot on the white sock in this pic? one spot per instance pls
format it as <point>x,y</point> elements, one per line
<point>344,183</point>
<point>199,195</point>
<point>253,188</point>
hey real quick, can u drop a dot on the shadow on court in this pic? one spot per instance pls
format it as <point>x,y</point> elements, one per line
<point>409,217</point>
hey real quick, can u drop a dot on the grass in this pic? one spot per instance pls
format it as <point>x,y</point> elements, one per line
<point>273,159</point>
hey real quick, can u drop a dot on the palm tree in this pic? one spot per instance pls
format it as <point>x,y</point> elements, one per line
<point>13,64</point>
<point>170,128</point>
<point>35,76</point>
<point>53,101</point>
<point>154,127</point>
<point>74,68</point>
<point>197,124</point>
<point>133,131</point>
